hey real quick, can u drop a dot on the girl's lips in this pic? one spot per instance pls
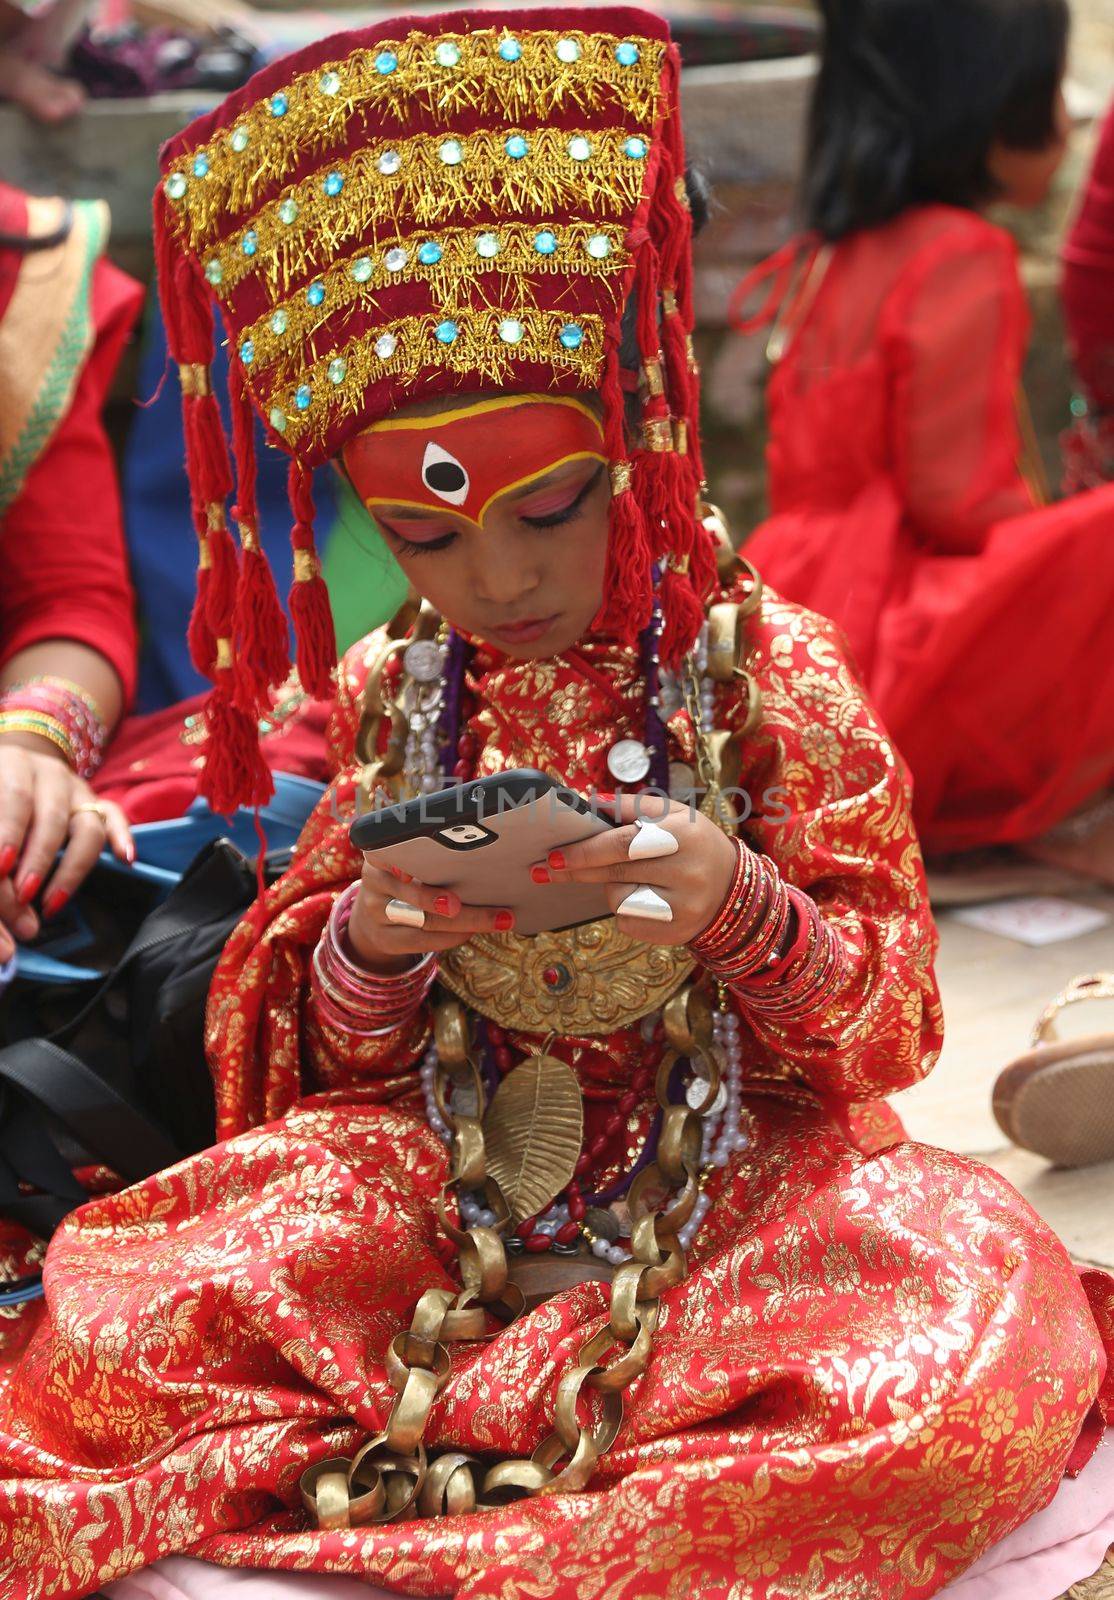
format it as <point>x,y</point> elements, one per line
<point>524,632</point>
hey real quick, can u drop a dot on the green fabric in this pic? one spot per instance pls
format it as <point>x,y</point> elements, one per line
<point>366,583</point>
<point>65,362</point>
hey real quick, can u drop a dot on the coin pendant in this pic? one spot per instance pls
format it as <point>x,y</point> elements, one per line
<point>628,761</point>
<point>422,660</point>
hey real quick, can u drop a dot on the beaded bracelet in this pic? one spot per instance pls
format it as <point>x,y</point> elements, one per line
<point>744,944</point>
<point>353,999</point>
<point>61,712</point>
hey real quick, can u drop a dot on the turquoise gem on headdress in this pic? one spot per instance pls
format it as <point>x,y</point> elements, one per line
<point>239,139</point>
<point>361,269</point>
<point>447,54</point>
<point>280,105</point>
<point>288,211</point>
<point>333,184</point>
<point>579,147</point>
<point>598,246</point>
<point>510,49</point>
<point>249,244</point>
<point>452,152</point>
<point>247,352</point>
<point>487,245</point>
<point>545,242</point>
<point>571,336</point>
<point>386,62</point>
<point>445,332</point>
<point>280,322</point>
<point>329,82</point>
<point>516,147</point>
<point>176,185</point>
<point>303,394</point>
<point>201,165</point>
<point>278,419</point>
<point>511,330</point>
<point>214,272</point>
<point>429,254</point>
<point>635,148</point>
<point>395,259</point>
<point>385,346</point>
<point>626,53</point>
<point>315,294</point>
<point>389,163</point>
<point>568,51</point>
<point>338,369</point>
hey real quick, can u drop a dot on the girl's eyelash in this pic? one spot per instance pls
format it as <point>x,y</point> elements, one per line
<point>410,547</point>
<point>570,511</point>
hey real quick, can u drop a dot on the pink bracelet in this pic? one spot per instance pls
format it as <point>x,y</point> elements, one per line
<point>61,712</point>
<point>353,999</point>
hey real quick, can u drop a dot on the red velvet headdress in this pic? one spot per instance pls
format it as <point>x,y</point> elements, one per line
<point>452,203</point>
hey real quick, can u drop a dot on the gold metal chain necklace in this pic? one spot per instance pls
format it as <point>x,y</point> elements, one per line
<point>392,1473</point>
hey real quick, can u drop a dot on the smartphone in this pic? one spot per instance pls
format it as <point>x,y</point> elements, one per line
<point>480,840</point>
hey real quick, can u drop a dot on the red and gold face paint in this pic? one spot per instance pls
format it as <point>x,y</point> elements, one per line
<point>461,461</point>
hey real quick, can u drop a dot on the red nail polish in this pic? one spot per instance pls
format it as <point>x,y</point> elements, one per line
<point>556,860</point>
<point>54,903</point>
<point>442,905</point>
<point>540,875</point>
<point>504,921</point>
<point>8,858</point>
<point>26,891</point>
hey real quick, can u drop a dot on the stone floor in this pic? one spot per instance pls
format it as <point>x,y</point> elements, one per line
<point>993,991</point>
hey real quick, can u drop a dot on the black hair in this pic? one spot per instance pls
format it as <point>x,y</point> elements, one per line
<point>911,96</point>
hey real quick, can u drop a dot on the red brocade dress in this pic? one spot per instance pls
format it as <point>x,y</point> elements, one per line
<point>979,620</point>
<point>880,1362</point>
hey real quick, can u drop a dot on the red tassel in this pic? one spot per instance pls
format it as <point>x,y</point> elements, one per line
<point>628,581</point>
<point>683,615</point>
<point>259,634</point>
<point>314,630</point>
<point>234,772</point>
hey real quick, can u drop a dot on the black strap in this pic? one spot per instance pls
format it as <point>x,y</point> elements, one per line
<point>102,1121</point>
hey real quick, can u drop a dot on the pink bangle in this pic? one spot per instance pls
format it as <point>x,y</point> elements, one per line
<point>60,711</point>
<point>353,999</point>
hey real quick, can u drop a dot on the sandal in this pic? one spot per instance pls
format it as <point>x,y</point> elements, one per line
<point>1058,1099</point>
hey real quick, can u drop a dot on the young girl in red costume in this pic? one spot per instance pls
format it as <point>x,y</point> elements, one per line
<point>587,1264</point>
<point>905,496</point>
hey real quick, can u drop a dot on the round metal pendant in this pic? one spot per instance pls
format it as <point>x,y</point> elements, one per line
<point>628,761</point>
<point>422,660</point>
<point>696,1092</point>
<point>603,1223</point>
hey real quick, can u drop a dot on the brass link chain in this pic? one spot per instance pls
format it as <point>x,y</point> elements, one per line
<point>391,1475</point>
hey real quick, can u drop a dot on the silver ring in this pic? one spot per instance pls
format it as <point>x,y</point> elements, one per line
<point>403,914</point>
<point>650,842</point>
<point>648,904</point>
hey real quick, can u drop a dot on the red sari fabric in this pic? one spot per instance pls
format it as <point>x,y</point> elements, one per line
<point>880,1362</point>
<point>1088,278</point>
<point>978,619</point>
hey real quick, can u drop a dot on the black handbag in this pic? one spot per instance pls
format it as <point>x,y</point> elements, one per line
<point>123,1083</point>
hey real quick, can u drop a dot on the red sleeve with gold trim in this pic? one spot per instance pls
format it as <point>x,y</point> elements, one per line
<point>830,802</point>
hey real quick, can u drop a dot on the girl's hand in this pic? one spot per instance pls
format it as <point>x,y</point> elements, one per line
<point>385,944</point>
<point>43,804</point>
<point>694,879</point>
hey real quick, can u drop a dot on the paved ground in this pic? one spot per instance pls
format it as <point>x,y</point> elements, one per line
<point>993,991</point>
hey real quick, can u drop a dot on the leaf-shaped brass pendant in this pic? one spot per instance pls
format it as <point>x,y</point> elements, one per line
<point>533,1132</point>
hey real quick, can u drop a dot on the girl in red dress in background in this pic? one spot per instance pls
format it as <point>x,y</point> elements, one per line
<point>903,503</point>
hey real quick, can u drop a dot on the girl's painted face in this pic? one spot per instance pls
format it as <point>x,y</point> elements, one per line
<point>1024,177</point>
<point>497,512</point>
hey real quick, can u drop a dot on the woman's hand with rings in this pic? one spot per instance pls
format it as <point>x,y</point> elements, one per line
<point>667,869</point>
<point>45,807</point>
<point>396,918</point>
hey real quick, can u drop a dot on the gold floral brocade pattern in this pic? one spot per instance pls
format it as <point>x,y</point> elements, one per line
<point>878,1365</point>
